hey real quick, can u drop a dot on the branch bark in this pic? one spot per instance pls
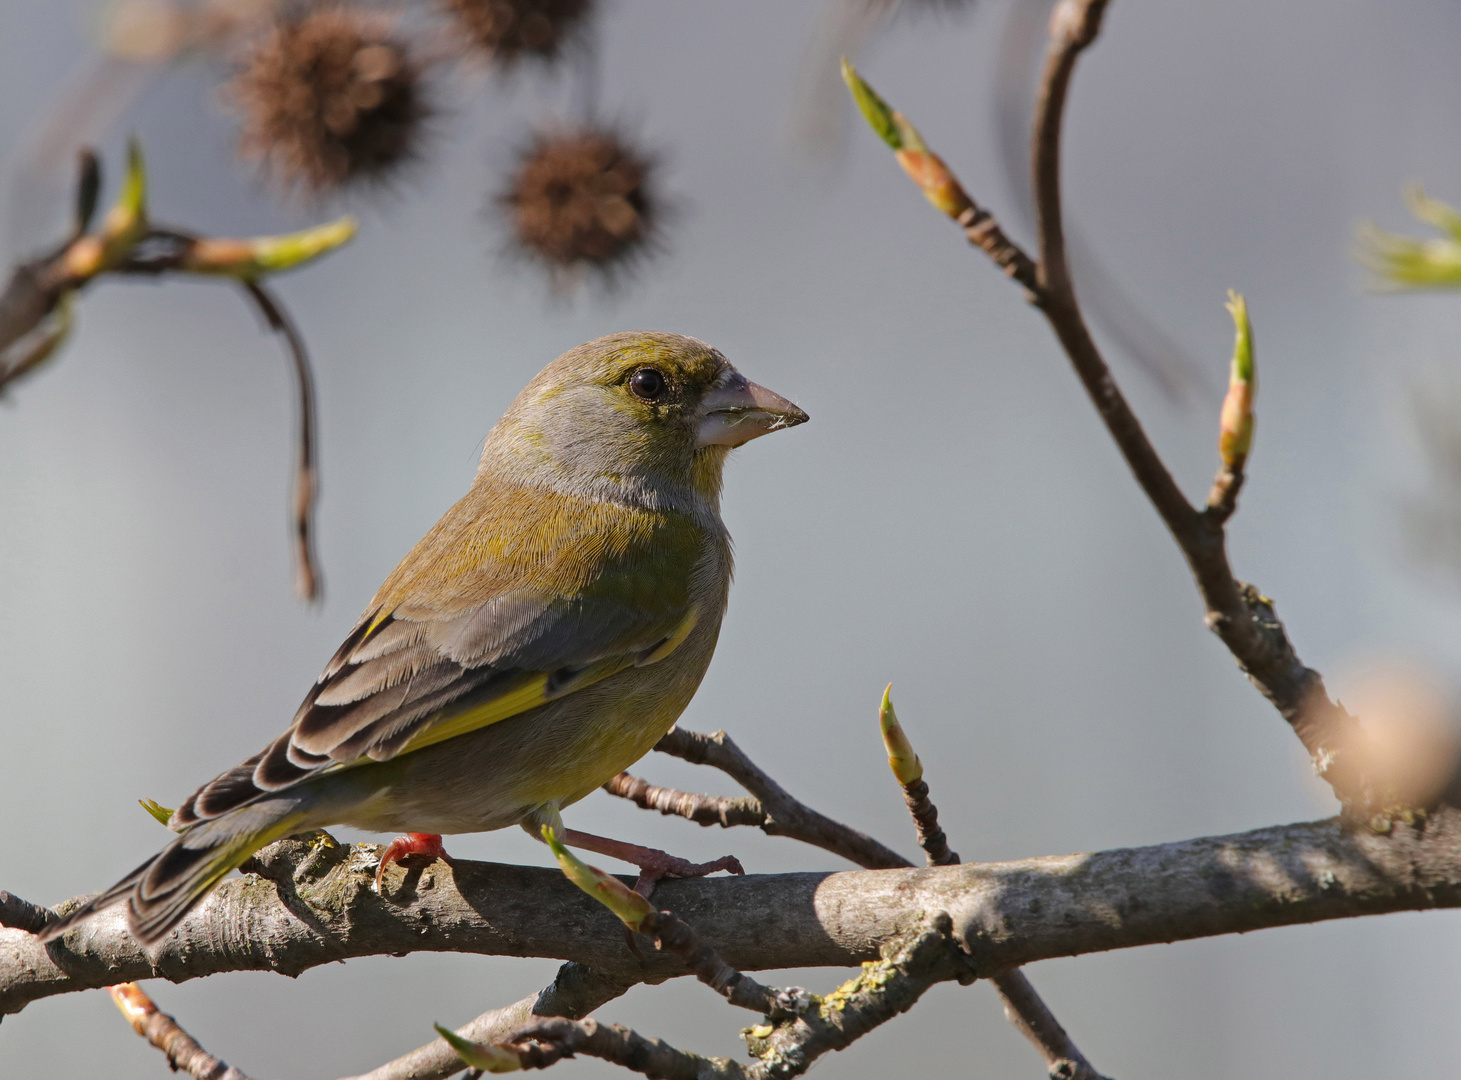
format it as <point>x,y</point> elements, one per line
<point>316,906</point>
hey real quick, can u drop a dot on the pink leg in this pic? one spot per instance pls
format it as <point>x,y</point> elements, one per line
<point>653,864</point>
<point>419,847</point>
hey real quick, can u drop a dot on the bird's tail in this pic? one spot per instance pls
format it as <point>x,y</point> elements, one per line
<point>161,892</point>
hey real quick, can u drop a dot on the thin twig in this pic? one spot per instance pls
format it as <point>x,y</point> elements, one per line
<point>931,838</point>
<point>1252,633</point>
<point>1022,1003</point>
<point>674,935</point>
<point>786,1048</point>
<point>307,576</point>
<point>162,1031</point>
<point>1222,499</point>
<point>785,816</point>
<point>1023,1006</point>
<point>574,992</point>
<point>701,809</point>
<point>985,233</point>
<point>1025,1009</point>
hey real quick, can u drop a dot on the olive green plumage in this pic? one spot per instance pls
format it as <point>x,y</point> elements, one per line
<point>541,637</point>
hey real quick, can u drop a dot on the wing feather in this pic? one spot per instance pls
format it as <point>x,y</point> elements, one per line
<point>491,615</point>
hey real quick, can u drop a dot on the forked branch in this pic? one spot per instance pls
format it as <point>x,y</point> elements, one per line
<point>1237,613</point>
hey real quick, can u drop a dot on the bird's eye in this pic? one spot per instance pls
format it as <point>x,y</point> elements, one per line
<point>647,384</point>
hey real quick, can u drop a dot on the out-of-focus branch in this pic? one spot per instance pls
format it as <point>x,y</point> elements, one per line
<point>182,1051</point>
<point>316,906</point>
<point>306,483</point>
<point>36,304</point>
<point>1237,613</point>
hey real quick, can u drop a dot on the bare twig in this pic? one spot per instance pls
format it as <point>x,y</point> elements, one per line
<point>677,937</point>
<point>1222,499</point>
<point>36,302</point>
<point>1025,1009</point>
<point>575,992</point>
<point>306,568</point>
<point>1245,623</point>
<point>546,1042</point>
<point>784,815</point>
<point>162,1031</point>
<point>1022,1005</point>
<point>909,965</point>
<point>931,838</point>
<point>701,809</point>
<point>1251,632</point>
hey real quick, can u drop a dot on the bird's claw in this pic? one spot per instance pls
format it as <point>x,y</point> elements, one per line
<point>419,848</point>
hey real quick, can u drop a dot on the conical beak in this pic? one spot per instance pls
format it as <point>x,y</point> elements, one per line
<point>739,410</point>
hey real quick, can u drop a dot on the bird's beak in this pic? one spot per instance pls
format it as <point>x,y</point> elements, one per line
<point>738,411</point>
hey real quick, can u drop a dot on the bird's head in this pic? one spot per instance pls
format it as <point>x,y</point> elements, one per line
<point>637,414</point>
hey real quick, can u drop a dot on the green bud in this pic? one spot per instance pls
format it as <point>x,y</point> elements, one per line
<point>874,109</point>
<point>901,758</point>
<point>627,905</point>
<point>249,259</point>
<point>1401,262</point>
<point>161,813</point>
<point>125,224</point>
<point>488,1058</point>
<point>1432,211</point>
<point>1235,430</point>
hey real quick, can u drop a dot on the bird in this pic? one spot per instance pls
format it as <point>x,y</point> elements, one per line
<point>541,637</point>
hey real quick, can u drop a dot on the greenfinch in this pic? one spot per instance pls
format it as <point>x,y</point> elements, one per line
<point>543,636</point>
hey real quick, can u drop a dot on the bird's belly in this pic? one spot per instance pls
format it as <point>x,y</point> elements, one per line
<point>555,754</point>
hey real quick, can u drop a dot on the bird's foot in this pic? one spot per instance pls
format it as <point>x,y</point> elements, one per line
<point>418,847</point>
<point>653,863</point>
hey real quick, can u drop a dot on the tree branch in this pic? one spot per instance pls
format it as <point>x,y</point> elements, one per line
<point>1027,1011</point>
<point>182,1051</point>
<point>909,965</point>
<point>316,906</point>
<point>306,483</point>
<point>574,992</point>
<point>784,815</point>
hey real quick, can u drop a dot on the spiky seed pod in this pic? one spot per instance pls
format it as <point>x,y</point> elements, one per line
<point>581,199</point>
<point>329,98</point>
<point>509,29</point>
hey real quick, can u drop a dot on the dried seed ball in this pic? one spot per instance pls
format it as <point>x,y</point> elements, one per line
<point>581,198</point>
<point>509,29</point>
<point>329,98</point>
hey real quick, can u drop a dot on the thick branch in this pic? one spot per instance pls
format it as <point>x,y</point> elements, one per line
<point>319,908</point>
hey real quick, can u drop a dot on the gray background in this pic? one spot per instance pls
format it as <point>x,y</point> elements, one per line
<point>953,519</point>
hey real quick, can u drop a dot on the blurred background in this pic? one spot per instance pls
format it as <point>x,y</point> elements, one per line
<point>954,519</point>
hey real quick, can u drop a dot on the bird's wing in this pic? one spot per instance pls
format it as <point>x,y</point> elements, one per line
<point>470,631</point>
